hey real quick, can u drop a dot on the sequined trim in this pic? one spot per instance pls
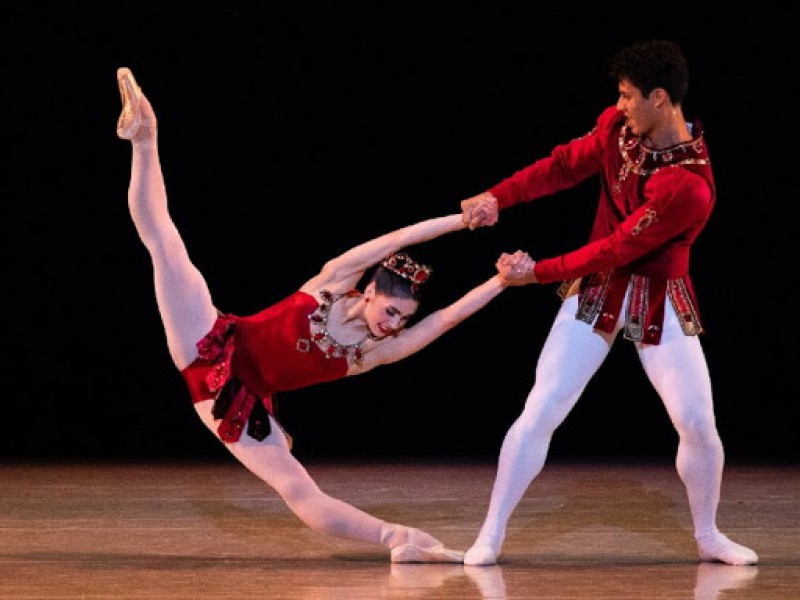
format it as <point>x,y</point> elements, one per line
<point>684,308</point>
<point>643,161</point>
<point>648,218</point>
<point>596,308</point>
<point>593,293</point>
<point>638,308</point>
<point>565,286</point>
<point>234,405</point>
<point>217,348</point>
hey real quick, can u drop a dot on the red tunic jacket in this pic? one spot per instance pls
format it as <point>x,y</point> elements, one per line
<point>652,206</point>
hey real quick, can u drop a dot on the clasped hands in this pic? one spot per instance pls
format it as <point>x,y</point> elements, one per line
<point>516,268</point>
<point>483,211</point>
<point>480,211</point>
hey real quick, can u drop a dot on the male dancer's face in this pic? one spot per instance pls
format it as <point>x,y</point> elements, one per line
<point>639,111</point>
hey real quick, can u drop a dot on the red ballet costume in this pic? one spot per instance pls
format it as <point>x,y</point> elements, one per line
<point>652,206</point>
<point>244,361</point>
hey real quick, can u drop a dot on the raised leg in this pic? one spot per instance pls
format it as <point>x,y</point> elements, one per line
<point>183,298</point>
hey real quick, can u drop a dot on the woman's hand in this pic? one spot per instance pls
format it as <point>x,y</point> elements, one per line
<point>516,268</point>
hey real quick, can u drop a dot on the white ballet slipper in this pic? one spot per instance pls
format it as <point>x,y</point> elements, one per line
<point>718,547</point>
<point>480,555</point>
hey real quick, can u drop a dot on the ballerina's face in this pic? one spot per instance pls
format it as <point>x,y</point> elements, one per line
<point>387,315</point>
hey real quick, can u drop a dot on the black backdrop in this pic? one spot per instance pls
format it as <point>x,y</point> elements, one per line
<point>291,132</point>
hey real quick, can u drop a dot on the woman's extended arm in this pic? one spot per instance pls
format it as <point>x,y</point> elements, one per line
<point>416,337</point>
<point>350,266</point>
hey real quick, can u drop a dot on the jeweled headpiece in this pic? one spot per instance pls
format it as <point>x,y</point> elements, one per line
<point>401,264</point>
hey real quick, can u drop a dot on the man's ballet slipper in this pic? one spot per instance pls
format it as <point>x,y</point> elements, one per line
<point>480,556</point>
<point>411,553</point>
<point>718,547</point>
<point>130,119</point>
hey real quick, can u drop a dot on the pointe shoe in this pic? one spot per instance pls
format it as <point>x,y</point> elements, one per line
<point>130,119</point>
<point>417,547</point>
<point>412,553</point>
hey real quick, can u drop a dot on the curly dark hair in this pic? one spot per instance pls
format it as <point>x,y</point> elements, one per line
<point>653,64</point>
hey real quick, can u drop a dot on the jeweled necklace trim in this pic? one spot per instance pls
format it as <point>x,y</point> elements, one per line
<point>641,160</point>
<point>330,347</point>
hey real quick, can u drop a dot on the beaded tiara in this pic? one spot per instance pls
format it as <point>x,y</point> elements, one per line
<point>401,264</point>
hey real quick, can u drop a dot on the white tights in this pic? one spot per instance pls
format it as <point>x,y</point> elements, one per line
<point>272,461</point>
<point>569,358</point>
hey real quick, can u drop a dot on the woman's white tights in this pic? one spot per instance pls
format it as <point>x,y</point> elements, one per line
<point>271,461</point>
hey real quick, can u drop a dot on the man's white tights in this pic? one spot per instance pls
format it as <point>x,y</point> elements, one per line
<point>570,356</point>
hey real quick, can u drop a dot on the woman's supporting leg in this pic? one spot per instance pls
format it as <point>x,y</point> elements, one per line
<point>678,370</point>
<point>569,358</point>
<point>272,461</point>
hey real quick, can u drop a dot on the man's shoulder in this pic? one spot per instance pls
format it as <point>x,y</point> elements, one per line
<point>611,115</point>
<point>688,187</point>
<point>609,122</point>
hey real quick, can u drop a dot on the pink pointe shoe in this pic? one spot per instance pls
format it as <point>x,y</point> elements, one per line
<point>130,119</point>
<point>420,547</point>
<point>411,553</point>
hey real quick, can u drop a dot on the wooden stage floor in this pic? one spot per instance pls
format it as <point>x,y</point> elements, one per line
<point>212,530</point>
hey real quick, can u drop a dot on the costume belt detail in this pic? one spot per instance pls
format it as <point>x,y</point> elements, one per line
<point>684,308</point>
<point>602,294</point>
<point>637,310</point>
<point>234,404</point>
<point>593,293</point>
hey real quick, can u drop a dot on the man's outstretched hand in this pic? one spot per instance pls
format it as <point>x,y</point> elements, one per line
<point>480,211</point>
